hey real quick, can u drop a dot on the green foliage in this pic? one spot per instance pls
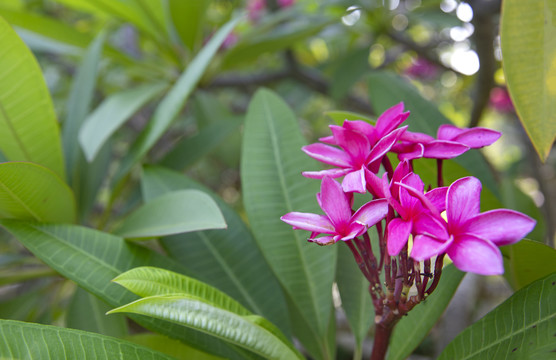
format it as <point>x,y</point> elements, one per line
<point>522,327</point>
<point>530,67</point>
<point>270,170</point>
<point>528,261</point>
<point>21,340</point>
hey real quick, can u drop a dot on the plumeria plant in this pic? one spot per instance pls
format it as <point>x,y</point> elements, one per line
<point>157,190</point>
<point>415,228</point>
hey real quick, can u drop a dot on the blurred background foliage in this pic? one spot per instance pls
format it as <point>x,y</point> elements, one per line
<point>119,57</point>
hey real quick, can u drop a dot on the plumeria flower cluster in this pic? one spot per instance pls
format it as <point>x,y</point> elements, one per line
<point>415,225</point>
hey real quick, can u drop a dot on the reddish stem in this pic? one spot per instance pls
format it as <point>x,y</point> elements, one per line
<point>381,340</point>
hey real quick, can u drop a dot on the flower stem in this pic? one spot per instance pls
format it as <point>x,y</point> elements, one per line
<point>381,340</point>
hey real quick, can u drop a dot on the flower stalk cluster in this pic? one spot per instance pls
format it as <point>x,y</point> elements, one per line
<point>415,227</point>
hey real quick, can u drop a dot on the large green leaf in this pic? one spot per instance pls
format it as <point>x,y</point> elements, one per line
<point>87,312</point>
<point>187,18</point>
<point>174,348</point>
<point>93,258</point>
<point>20,340</point>
<point>173,213</point>
<point>28,126</point>
<point>413,328</point>
<point>387,89</point>
<point>272,186</point>
<point>528,37</point>
<point>523,327</point>
<point>113,113</point>
<point>356,300</point>
<point>150,281</point>
<point>32,192</point>
<point>527,261</point>
<point>229,260</point>
<point>173,102</point>
<point>239,330</point>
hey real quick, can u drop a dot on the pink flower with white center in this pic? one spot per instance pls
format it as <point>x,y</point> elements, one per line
<point>339,223</point>
<point>362,147</point>
<point>469,237</point>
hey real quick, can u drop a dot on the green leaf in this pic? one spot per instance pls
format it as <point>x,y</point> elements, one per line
<point>173,213</point>
<point>347,71</point>
<point>87,312</point>
<point>523,327</point>
<point>413,328</point>
<point>170,347</point>
<point>113,113</point>
<point>28,125</point>
<point>238,330</point>
<point>527,261</point>
<point>93,258</point>
<point>188,19</point>
<point>173,102</point>
<point>229,260</point>
<point>339,116</point>
<point>530,67</point>
<point>272,186</point>
<point>387,89</point>
<point>79,103</point>
<point>150,281</point>
<point>31,192</point>
<point>354,292</point>
<point>21,340</point>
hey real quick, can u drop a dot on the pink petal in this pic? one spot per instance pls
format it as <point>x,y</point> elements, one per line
<point>419,195</point>
<point>415,137</point>
<point>354,230</point>
<point>438,197</point>
<point>448,132</point>
<point>398,235</point>
<point>425,247</point>
<point>354,143</point>
<point>328,140</point>
<point>376,184</point>
<point>327,154</point>
<point>478,137</point>
<point>334,203</point>
<point>371,213</point>
<point>476,255</point>
<point>355,182</point>
<point>502,226</point>
<point>443,149</point>
<point>385,144</point>
<point>463,200</point>
<point>308,221</point>
<point>391,119</point>
<point>409,151</point>
<point>414,181</point>
<point>426,224</point>
<point>363,127</point>
<point>333,173</point>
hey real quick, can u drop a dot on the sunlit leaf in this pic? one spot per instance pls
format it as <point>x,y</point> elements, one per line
<point>527,261</point>
<point>173,213</point>
<point>28,125</point>
<point>31,192</point>
<point>523,327</point>
<point>528,39</point>
<point>20,340</point>
<point>238,330</point>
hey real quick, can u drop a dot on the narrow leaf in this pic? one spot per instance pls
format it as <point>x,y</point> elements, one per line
<point>229,260</point>
<point>528,36</point>
<point>188,19</point>
<point>236,329</point>
<point>173,102</point>
<point>93,258</point>
<point>151,281</point>
<point>173,213</point>
<point>413,328</point>
<point>523,327</point>
<point>31,192</point>
<point>28,125</point>
<point>272,186</point>
<point>113,113</point>
<point>174,348</point>
<point>20,340</point>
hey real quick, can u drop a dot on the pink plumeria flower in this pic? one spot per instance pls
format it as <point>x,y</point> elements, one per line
<point>475,138</point>
<point>339,223</point>
<point>411,210</point>
<point>469,237</point>
<point>255,8</point>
